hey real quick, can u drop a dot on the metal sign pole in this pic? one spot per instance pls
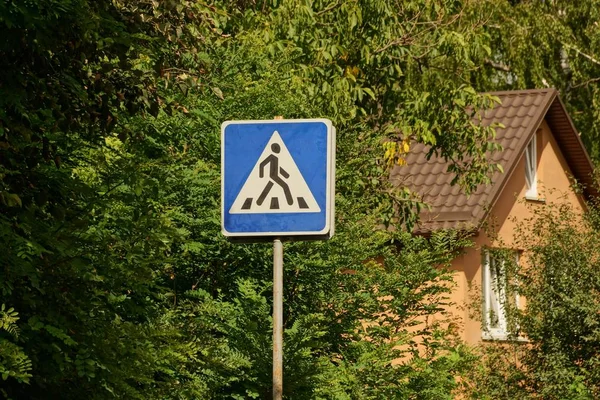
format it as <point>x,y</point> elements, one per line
<point>277,315</point>
<point>277,319</point>
<point>264,185</point>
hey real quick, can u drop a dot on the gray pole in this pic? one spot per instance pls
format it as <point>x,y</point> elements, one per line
<point>277,319</point>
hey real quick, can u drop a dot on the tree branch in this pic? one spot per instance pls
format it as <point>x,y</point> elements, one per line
<point>586,82</point>
<point>402,40</point>
<point>331,7</point>
<point>497,65</point>
<point>581,53</point>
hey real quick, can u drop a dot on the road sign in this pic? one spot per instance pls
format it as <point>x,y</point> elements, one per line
<point>277,179</point>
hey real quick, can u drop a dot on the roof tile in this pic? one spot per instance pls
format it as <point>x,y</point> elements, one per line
<point>521,112</point>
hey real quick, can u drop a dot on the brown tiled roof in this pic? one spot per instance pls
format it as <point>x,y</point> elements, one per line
<point>521,113</point>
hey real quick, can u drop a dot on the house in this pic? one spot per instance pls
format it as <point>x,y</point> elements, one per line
<point>541,152</point>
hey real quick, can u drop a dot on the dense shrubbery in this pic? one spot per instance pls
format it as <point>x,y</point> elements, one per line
<point>115,280</point>
<point>559,278</point>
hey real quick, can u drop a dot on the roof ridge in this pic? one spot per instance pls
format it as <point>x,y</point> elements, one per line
<point>521,91</point>
<point>549,96</point>
<point>514,136</point>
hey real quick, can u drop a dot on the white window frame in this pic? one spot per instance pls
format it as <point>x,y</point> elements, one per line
<point>531,168</point>
<point>495,297</point>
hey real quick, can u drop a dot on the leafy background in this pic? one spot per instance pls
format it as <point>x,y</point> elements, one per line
<point>115,280</point>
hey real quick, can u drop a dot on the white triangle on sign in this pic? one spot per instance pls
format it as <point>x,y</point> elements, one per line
<point>275,184</point>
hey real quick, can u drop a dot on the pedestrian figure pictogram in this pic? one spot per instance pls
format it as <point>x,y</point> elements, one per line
<point>277,177</point>
<point>274,171</point>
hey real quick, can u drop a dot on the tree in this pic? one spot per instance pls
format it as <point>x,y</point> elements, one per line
<point>560,281</point>
<point>77,265</point>
<point>110,229</point>
<point>538,44</point>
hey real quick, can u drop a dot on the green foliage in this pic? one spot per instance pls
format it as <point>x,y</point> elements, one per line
<point>402,68</point>
<point>537,44</point>
<point>14,363</point>
<point>109,205</point>
<point>391,346</point>
<point>559,278</point>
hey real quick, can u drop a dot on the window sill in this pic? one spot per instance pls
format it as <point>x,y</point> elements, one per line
<point>535,199</point>
<point>502,337</point>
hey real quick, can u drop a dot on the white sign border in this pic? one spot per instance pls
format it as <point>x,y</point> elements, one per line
<point>330,181</point>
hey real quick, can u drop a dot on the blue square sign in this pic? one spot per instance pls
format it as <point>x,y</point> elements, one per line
<point>277,178</point>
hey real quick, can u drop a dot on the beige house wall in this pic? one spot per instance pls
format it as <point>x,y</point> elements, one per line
<point>510,209</point>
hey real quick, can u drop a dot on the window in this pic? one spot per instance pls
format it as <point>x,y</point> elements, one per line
<point>495,296</point>
<point>531,169</point>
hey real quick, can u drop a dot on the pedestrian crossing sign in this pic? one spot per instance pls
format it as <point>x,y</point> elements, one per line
<point>277,179</point>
